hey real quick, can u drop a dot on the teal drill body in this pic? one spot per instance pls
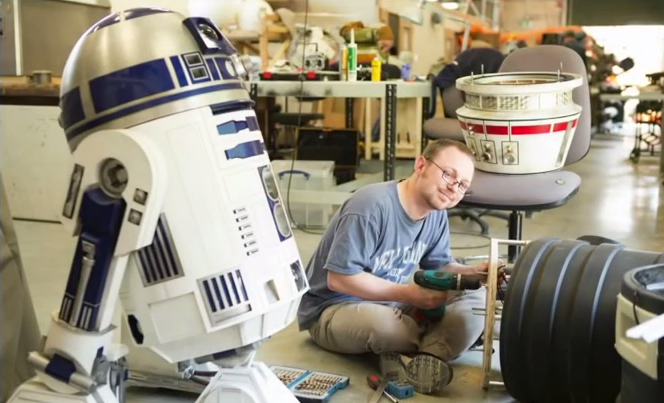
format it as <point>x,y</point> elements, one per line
<point>445,281</point>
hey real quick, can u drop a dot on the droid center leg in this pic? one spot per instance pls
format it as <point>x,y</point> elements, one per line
<point>241,378</point>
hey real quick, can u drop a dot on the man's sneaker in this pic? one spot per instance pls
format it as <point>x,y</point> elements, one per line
<point>428,374</point>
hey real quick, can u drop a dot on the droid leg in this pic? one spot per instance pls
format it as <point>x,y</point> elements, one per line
<point>115,194</point>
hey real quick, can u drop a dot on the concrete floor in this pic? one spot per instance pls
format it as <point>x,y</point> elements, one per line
<point>617,199</point>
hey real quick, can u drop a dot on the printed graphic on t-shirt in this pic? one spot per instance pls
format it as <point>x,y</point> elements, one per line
<point>397,264</point>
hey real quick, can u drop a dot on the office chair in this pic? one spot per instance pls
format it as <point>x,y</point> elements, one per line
<point>531,193</point>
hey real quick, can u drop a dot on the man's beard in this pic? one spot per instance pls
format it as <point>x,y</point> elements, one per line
<point>436,203</point>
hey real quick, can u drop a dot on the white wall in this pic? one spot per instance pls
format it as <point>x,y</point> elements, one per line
<point>34,160</point>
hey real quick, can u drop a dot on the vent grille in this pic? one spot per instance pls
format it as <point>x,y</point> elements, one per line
<point>159,261</point>
<point>225,295</point>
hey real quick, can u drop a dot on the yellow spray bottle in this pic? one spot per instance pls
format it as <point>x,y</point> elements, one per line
<point>376,68</point>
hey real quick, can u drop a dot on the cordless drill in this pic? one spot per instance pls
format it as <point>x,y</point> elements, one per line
<point>444,281</point>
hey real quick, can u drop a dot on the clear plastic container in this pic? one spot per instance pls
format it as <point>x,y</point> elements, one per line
<point>305,175</point>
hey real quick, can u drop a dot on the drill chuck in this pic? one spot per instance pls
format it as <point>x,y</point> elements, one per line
<point>469,282</point>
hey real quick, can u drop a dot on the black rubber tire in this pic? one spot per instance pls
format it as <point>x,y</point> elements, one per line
<point>558,323</point>
<point>512,316</point>
<point>583,325</point>
<point>547,303</point>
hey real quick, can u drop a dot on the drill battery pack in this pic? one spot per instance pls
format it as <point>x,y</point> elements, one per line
<point>310,386</point>
<point>400,389</point>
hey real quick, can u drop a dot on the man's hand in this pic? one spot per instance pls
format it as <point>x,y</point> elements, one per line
<point>483,268</point>
<point>423,298</point>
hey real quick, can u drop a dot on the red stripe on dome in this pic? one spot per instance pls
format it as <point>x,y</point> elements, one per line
<point>499,130</point>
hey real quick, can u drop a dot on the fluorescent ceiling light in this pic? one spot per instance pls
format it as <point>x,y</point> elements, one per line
<point>450,5</point>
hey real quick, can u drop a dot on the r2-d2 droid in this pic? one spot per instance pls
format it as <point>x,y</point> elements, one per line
<point>176,211</point>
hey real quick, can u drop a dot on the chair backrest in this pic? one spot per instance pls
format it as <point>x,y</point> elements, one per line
<point>470,61</point>
<point>451,97</point>
<point>452,100</point>
<point>550,58</point>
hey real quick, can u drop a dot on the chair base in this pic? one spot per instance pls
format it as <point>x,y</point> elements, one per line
<point>475,216</point>
<point>514,230</point>
<point>514,225</point>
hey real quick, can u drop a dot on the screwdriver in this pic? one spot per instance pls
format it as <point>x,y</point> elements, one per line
<point>374,382</point>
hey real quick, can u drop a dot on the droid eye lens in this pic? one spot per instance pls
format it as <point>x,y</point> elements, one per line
<point>208,31</point>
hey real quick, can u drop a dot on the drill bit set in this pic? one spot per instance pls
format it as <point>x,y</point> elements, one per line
<point>310,386</point>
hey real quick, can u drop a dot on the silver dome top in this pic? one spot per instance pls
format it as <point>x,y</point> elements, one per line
<point>142,64</point>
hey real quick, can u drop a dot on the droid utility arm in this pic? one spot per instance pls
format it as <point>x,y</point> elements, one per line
<point>112,214</point>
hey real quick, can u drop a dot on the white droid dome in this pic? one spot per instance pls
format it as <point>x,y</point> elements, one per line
<point>112,79</point>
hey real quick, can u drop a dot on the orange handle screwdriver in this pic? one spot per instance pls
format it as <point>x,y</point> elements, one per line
<point>374,382</point>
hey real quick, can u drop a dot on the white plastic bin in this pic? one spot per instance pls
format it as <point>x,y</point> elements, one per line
<point>305,175</point>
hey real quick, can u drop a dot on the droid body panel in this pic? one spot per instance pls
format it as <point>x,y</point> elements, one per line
<point>223,247</point>
<point>171,180</point>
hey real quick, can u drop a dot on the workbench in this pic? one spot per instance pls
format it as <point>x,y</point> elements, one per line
<point>17,90</point>
<point>644,96</point>
<point>388,91</point>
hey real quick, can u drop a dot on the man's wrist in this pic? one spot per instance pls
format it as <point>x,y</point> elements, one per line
<point>455,267</point>
<point>401,293</point>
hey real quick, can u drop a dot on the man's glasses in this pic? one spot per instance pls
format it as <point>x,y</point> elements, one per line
<point>450,179</point>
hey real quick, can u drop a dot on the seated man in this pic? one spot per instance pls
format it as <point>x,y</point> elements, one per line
<point>362,299</point>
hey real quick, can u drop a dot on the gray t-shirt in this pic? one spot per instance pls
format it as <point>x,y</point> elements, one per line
<point>371,232</point>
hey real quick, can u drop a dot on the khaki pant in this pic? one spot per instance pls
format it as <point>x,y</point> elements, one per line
<point>365,327</point>
<point>20,330</point>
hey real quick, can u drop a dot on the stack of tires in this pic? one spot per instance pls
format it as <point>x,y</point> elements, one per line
<point>557,337</point>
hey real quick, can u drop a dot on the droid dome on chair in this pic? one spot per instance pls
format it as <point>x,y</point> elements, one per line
<point>519,123</point>
<point>542,185</point>
<point>554,58</point>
